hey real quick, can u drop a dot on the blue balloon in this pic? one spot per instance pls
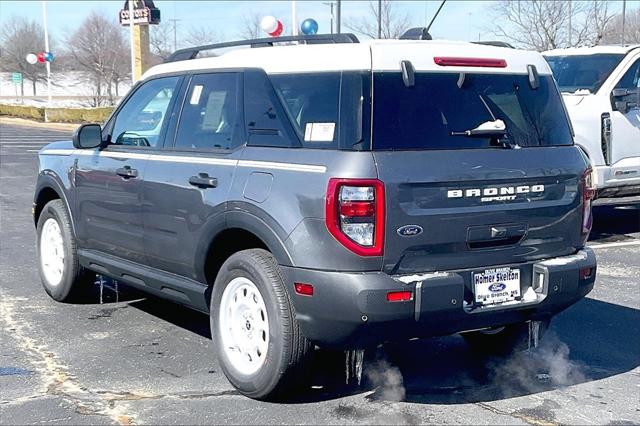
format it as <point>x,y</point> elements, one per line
<point>309,26</point>
<point>48,56</point>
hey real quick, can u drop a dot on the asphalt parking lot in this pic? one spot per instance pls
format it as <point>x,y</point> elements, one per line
<point>123,358</point>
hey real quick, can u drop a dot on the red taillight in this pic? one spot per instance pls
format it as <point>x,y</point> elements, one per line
<point>355,214</point>
<point>588,194</point>
<point>304,289</point>
<point>448,61</point>
<point>399,296</point>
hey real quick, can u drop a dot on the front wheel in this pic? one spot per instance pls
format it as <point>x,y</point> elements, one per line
<point>61,274</point>
<point>255,333</point>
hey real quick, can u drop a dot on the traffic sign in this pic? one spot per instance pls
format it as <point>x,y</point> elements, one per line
<point>16,78</point>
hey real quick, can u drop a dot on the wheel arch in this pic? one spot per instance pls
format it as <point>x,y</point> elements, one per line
<point>48,189</point>
<point>240,230</point>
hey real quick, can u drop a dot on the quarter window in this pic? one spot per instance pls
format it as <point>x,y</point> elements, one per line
<point>140,121</point>
<point>210,118</point>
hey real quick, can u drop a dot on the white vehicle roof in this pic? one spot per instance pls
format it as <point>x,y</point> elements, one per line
<point>379,55</point>
<point>595,50</point>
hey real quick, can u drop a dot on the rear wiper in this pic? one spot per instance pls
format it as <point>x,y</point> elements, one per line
<point>495,130</point>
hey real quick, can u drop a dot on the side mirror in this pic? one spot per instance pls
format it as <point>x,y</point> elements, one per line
<point>619,93</point>
<point>87,136</point>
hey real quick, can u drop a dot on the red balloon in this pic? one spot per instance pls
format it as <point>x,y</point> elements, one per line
<point>41,57</point>
<point>278,30</point>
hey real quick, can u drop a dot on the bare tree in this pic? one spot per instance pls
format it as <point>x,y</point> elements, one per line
<point>613,33</point>
<point>201,35</point>
<point>250,26</point>
<point>18,38</point>
<point>161,39</point>
<point>544,25</point>
<point>393,22</point>
<point>100,50</point>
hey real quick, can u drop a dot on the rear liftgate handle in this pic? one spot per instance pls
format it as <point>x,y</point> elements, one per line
<point>127,172</point>
<point>203,180</point>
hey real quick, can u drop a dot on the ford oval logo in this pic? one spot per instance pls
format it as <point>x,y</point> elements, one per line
<point>497,287</point>
<point>410,230</point>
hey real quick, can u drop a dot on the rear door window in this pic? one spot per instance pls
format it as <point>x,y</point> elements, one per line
<point>210,117</point>
<point>436,113</point>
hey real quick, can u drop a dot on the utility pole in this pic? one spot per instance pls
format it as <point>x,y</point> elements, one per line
<point>338,15</point>
<point>294,19</point>
<point>330,4</point>
<point>46,49</point>
<point>624,12</point>
<point>175,32</point>
<point>570,26</point>
<point>379,19</point>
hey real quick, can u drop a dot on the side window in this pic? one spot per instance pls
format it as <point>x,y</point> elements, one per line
<point>267,121</point>
<point>631,77</point>
<point>139,122</point>
<point>210,117</point>
<point>313,101</point>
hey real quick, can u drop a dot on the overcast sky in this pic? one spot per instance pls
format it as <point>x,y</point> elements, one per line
<point>460,20</point>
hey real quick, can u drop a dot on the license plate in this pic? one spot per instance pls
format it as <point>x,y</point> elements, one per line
<point>497,285</point>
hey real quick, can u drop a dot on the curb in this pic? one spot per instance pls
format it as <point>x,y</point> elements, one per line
<point>31,123</point>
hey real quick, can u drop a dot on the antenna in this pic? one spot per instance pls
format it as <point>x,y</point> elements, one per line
<point>436,15</point>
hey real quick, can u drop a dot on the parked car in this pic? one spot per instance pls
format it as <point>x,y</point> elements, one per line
<point>599,86</point>
<point>329,193</point>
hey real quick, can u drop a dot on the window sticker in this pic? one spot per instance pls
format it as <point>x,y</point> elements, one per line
<point>213,117</point>
<point>319,132</point>
<point>195,95</point>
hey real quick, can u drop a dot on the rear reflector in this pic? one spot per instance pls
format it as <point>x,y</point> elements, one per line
<point>399,296</point>
<point>304,289</point>
<point>450,61</point>
<point>585,273</point>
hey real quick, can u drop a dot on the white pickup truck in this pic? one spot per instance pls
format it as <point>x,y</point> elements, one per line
<point>600,88</point>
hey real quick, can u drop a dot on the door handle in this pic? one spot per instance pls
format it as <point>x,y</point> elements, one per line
<point>127,172</point>
<point>203,180</point>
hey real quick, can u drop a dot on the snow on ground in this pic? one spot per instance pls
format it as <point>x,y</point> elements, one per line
<point>68,89</point>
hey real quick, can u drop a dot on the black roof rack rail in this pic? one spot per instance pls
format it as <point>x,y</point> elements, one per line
<point>192,52</point>
<point>495,43</point>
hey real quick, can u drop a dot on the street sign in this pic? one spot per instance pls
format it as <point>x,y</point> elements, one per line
<point>16,78</point>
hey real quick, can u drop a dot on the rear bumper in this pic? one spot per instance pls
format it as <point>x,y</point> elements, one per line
<point>350,310</point>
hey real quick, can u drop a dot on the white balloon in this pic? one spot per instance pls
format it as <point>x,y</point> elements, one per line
<point>269,24</point>
<point>32,58</point>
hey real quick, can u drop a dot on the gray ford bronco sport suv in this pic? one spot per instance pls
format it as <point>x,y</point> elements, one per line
<point>328,193</point>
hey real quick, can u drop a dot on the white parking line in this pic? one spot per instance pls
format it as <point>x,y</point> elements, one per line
<point>620,244</point>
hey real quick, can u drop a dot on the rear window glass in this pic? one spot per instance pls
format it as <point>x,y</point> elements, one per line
<point>436,113</point>
<point>325,108</point>
<point>576,73</point>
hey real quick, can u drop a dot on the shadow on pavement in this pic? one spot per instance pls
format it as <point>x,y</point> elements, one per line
<point>590,341</point>
<point>610,223</point>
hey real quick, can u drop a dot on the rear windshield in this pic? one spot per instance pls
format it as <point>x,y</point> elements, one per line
<point>436,112</point>
<point>577,73</point>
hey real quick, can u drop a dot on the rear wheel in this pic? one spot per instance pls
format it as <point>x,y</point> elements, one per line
<point>507,339</point>
<point>257,339</point>
<point>60,272</point>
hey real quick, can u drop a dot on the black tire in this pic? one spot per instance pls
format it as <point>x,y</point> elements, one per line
<point>75,280</point>
<point>288,350</point>
<point>504,340</point>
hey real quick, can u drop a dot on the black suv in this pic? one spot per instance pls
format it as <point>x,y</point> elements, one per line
<point>329,193</point>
